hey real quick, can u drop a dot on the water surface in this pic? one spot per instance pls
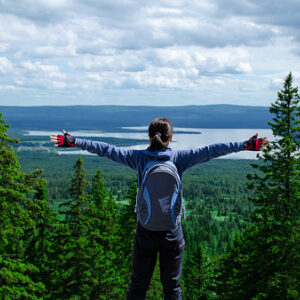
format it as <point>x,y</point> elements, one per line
<point>192,138</point>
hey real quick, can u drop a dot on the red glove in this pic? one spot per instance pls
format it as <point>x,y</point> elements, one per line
<point>253,144</point>
<point>65,140</point>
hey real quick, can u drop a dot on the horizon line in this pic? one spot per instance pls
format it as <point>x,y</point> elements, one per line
<point>117,105</point>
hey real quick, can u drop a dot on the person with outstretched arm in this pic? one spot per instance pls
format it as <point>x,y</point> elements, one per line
<point>159,199</point>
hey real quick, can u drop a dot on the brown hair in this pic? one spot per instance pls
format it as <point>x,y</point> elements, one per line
<point>159,130</point>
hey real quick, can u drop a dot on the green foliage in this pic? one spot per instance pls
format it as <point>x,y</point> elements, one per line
<point>217,204</point>
<point>72,252</point>
<point>264,262</point>
<point>107,280</point>
<point>98,191</point>
<point>16,280</point>
<point>85,243</point>
<point>87,253</point>
<point>117,177</point>
<point>38,239</point>
<point>128,222</point>
<point>211,189</point>
<point>197,275</point>
<point>17,215</point>
<point>155,290</point>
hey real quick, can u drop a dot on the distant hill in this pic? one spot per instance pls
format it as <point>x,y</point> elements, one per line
<point>113,117</point>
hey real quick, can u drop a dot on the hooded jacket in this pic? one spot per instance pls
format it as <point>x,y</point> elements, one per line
<point>137,159</point>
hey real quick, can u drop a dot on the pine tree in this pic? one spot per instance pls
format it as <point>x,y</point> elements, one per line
<point>106,280</point>
<point>98,192</point>
<point>128,223</point>
<point>16,275</point>
<point>264,262</point>
<point>73,271</point>
<point>196,273</point>
<point>62,264</point>
<point>38,238</point>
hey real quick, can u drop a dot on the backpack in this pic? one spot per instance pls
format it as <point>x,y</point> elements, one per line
<point>159,202</point>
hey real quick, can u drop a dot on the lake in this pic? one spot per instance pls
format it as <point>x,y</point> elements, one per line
<point>191,138</point>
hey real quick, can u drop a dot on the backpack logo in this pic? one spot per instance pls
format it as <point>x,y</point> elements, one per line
<point>159,197</point>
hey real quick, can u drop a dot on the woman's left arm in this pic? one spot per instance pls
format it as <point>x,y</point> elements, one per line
<point>122,156</point>
<point>188,158</point>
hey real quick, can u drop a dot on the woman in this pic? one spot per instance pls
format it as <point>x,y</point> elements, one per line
<point>148,243</point>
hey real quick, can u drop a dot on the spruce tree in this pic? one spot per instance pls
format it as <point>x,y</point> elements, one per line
<point>128,222</point>
<point>73,270</point>
<point>106,281</point>
<point>38,238</point>
<point>62,264</point>
<point>98,191</point>
<point>16,274</point>
<point>264,262</point>
<point>196,274</point>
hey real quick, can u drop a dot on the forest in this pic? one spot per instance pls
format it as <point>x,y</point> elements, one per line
<point>215,195</point>
<point>67,222</point>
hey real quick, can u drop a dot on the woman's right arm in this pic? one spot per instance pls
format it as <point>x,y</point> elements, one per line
<point>122,156</point>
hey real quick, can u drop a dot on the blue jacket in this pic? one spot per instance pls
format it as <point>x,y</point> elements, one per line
<point>137,159</point>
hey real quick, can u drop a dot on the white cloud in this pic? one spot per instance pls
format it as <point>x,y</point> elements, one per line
<point>230,49</point>
<point>59,84</point>
<point>4,47</point>
<point>5,65</point>
<point>40,70</point>
<point>276,83</point>
<point>53,3</point>
<point>95,77</point>
<point>7,87</point>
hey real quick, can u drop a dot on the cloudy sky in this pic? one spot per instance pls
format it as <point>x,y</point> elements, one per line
<point>165,52</point>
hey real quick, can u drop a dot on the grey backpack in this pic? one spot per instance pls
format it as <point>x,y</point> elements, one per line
<point>159,198</point>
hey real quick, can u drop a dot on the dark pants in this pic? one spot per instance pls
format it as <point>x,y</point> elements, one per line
<point>170,245</point>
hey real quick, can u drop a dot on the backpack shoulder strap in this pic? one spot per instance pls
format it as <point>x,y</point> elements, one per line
<point>173,156</point>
